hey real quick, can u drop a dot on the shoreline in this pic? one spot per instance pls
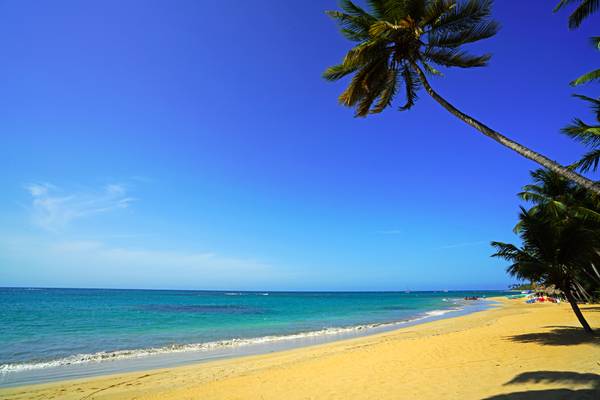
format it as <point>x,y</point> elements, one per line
<point>125,361</point>
<point>532,348</point>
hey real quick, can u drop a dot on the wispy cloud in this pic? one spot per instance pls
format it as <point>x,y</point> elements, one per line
<point>105,254</point>
<point>464,244</point>
<point>53,209</point>
<point>97,263</point>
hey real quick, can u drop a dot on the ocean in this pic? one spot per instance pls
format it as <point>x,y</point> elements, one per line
<point>50,334</point>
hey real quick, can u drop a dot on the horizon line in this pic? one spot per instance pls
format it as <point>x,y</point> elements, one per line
<point>262,290</point>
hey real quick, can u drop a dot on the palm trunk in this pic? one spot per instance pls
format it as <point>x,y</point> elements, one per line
<point>503,140</point>
<point>577,311</point>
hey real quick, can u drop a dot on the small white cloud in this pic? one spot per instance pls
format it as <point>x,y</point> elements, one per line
<point>38,189</point>
<point>53,209</point>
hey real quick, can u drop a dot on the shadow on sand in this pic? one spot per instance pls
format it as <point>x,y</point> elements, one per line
<point>558,336</point>
<point>569,379</point>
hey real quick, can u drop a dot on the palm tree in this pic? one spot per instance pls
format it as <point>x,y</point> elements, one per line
<point>587,134</point>
<point>398,41</point>
<point>562,201</point>
<point>552,253</point>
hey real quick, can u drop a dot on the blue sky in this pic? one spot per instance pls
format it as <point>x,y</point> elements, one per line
<point>188,144</point>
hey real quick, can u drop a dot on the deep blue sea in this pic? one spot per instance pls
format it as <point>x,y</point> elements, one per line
<point>50,328</point>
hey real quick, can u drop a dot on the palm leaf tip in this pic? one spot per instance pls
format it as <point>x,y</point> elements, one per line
<point>337,72</point>
<point>585,78</point>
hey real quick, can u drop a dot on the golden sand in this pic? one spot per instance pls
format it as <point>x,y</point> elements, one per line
<point>515,351</point>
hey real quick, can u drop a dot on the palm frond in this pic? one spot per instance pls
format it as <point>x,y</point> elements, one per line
<point>453,39</point>
<point>366,86</point>
<point>337,72</point>
<point>398,10</point>
<point>505,250</point>
<point>412,84</point>
<point>429,69</point>
<point>377,8</point>
<point>456,58</point>
<point>353,27</point>
<point>353,9</point>
<point>463,15</point>
<point>594,104</point>
<point>388,93</point>
<point>584,10</point>
<point>435,9</point>
<point>589,135</point>
<point>586,213</point>
<point>587,77</point>
<point>581,12</point>
<point>532,197</point>
<point>365,53</point>
<point>589,161</point>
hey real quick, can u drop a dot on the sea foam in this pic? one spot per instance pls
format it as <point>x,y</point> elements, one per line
<point>79,359</point>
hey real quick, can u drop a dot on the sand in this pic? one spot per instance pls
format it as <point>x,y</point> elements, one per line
<point>515,351</point>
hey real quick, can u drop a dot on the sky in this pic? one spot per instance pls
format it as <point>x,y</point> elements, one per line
<point>194,145</point>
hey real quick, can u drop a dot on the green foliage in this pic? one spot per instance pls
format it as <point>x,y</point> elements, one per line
<point>585,78</point>
<point>588,135</point>
<point>396,38</point>
<point>583,10</point>
<point>522,286</point>
<point>560,235</point>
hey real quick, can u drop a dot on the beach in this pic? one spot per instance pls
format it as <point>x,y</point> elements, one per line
<point>513,351</point>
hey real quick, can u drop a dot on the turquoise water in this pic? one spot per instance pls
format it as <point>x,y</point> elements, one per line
<point>52,327</point>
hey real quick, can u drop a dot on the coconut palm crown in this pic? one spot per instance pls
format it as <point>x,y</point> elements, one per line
<point>398,40</point>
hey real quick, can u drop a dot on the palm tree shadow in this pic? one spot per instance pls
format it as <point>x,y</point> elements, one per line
<point>555,377</point>
<point>558,336</point>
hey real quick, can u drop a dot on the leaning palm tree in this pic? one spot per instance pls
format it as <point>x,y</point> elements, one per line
<point>400,41</point>
<point>553,253</point>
